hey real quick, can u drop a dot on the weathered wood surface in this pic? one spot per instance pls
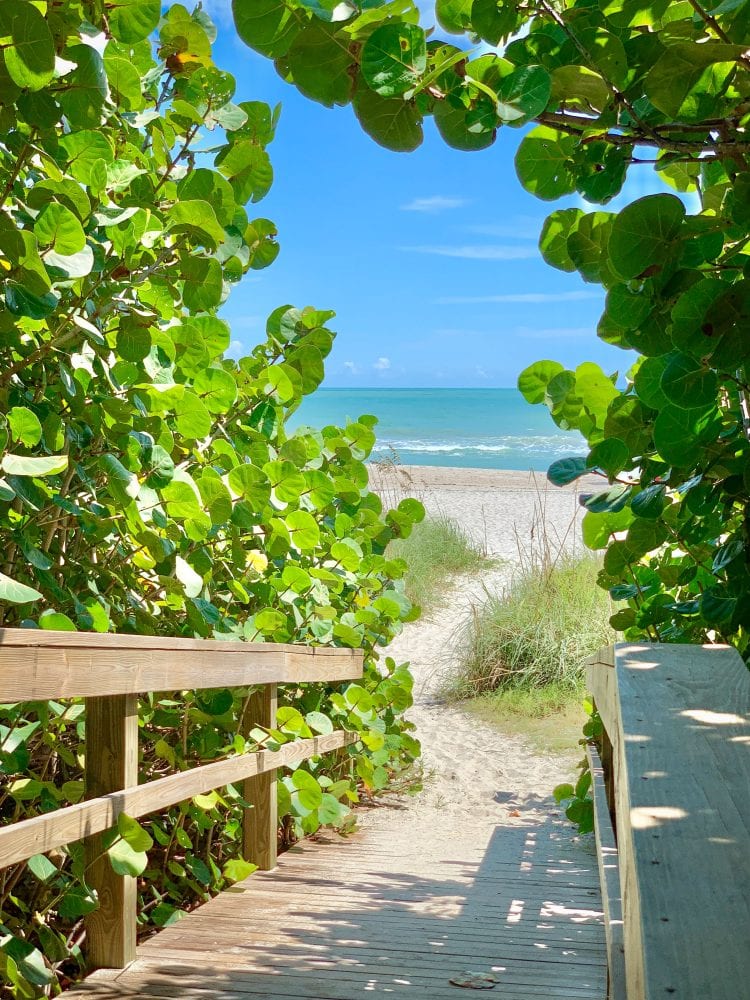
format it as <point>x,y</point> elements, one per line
<point>609,879</point>
<point>260,824</point>
<point>112,728</point>
<point>678,718</point>
<point>351,918</point>
<point>36,665</point>
<point>51,830</point>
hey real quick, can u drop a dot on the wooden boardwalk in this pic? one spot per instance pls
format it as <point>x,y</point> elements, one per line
<point>343,919</point>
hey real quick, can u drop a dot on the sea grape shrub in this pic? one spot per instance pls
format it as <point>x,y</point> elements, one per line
<point>598,87</point>
<point>148,483</point>
<point>673,445</point>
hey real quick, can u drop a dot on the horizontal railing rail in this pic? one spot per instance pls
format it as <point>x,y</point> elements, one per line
<point>110,672</point>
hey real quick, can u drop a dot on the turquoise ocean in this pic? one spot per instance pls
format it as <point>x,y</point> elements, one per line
<point>473,428</point>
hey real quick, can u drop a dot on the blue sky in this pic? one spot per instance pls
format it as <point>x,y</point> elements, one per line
<point>430,258</point>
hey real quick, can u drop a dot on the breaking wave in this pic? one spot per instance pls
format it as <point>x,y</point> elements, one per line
<point>550,445</point>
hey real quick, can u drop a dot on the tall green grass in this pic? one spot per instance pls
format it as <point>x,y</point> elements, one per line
<point>538,633</point>
<point>435,551</point>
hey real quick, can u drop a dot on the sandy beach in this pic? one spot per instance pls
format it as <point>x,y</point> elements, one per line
<point>477,776</point>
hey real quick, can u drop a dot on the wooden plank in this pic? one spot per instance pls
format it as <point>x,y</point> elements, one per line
<point>111,765</point>
<point>351,981</point>
<point>602,684</point>
<point>33,637</point>
<point>609,878</point>
<point>52,830</point>
<point>36,665</point>
<point>681,746</point>
<point>260,825</point>
<point>350,918</point>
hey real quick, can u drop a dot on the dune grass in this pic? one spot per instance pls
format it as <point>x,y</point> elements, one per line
<point>435,551</point>
<point>536,635</point>
<point>550,718</point>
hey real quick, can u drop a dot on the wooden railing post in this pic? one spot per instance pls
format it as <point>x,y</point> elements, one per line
<point>111,764</point>
<point>260,824</point>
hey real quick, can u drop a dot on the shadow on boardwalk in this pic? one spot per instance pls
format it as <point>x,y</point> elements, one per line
<point>347,919</point>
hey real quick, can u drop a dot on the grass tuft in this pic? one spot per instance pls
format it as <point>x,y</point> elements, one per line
<point>538,632</point>
<point>435,551</point>
<point>550,718</point>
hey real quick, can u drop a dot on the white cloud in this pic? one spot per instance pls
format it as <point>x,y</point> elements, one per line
<point>473,252</point>
<point>382,364</point>
<point>522,297</point>
<point>480,372</point>
<point>235,349</point>
<point>351,367</point>
<point>434,204</point>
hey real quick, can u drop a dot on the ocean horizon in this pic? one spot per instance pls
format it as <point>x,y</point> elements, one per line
<point>459,427</point>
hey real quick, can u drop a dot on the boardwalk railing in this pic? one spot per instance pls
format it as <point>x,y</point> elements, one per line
<point>110,672</point>
<point>672,814</point>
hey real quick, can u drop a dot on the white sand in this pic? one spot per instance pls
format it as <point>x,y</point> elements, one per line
<point>476,776</point>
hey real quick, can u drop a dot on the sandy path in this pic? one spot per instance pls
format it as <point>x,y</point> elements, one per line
<point>476,776</point>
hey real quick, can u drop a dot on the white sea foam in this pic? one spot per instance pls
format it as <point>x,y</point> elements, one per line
<point>547,445</point>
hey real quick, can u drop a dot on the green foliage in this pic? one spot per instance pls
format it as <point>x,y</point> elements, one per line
<point>434,552</point>
<point>577,798</point>
<point>148,483</point>
<point>538,632</point>
<point>609,85</point>
<point>628,83</point>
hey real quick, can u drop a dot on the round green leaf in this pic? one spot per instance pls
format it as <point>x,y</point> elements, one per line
<point>493,20</point>
<point>319,723</point>
<point>15,592</point>
<point>454,15</point>
<point>251,483</point>
<point>192,418</point>
<point>30,56</point>
<point>608,501</point>
<point>677,431</point>
<point>55,621</point>
<point>689,384</point>
<point>303,530</point>
<point>395,124</point>
<point>523,94</point>
<point>22,465</point>
<point>215,702</point>
<point>132,20</point>
<point>647,381</point>
<point>553,242</point>
<point>125,860</point>
<point>268,26</point>
<point>597,529</point>
<point>533,381</point>
<point>394,58</point>
<point>307,788</point>
<point>320,66</point>
<point>544,165</point>
<point>644,232</point>
<point>649,502</point>
<point>567,470</point>
<point>217,388</point>
<point>133,833</point>
<point>455,126</point>
<point>56,226</point>
<point>237,869</point>
<point>611,455</point>
<point>24,426</point>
